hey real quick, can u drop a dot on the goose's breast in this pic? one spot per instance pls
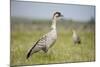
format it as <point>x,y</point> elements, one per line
<point>52,36</point>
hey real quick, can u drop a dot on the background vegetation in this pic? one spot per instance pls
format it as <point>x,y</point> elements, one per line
<point>25,32</point>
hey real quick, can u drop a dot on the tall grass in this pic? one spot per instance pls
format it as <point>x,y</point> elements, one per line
<point>24,36</point>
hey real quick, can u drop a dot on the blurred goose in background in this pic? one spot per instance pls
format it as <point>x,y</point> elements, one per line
<point>76,38</point>
<point>47,40</point>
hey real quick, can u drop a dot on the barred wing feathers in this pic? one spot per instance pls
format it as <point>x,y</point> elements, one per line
<point>43,43</point>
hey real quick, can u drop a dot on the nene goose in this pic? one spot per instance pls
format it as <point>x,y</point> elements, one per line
<point>47,40</point>
<point>76,38</point>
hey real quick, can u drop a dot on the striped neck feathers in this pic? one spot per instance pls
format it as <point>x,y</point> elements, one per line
<point>53,26</point>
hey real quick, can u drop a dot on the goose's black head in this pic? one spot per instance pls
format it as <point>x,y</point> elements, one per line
<point>57,14</point>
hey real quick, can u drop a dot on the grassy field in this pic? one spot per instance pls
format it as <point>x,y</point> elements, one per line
<point>24,35</point>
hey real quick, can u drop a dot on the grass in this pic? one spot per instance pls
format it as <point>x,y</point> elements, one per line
<point>63,50</point>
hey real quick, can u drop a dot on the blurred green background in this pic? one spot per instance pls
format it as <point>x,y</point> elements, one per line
<point>25,32</point>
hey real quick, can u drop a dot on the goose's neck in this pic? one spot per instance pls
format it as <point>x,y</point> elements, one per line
<point>53,26</point>
<point>74,33</point>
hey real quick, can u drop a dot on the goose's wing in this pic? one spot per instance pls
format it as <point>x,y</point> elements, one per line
<point>40,44</point>
<point>43,43</point>
<point>78,40</point>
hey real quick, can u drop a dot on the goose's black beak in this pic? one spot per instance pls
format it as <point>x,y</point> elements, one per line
<point>61,16</point>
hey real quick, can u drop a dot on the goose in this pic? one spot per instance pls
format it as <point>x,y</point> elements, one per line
<point>76,38</point>
<point>47,40</point>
